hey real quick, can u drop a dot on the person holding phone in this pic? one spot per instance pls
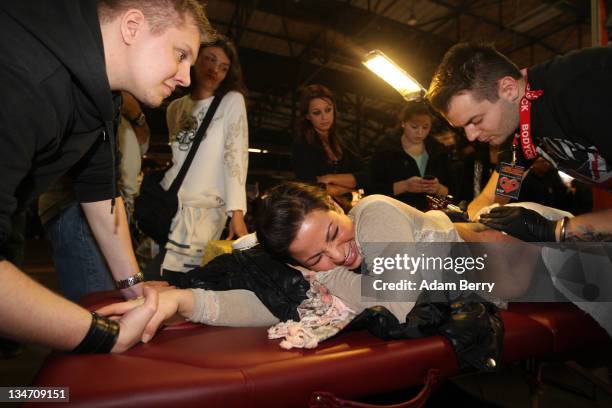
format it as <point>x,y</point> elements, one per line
<point>415,165</point>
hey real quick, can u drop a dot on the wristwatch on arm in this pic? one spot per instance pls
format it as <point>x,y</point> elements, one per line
<point>130,281</point>
<point>139,120</point>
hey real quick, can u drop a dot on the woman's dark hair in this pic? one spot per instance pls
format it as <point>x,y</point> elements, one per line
<point>282,212</point>
<point>306,130</point>
<point>414,107</point>
<point>233,79</point>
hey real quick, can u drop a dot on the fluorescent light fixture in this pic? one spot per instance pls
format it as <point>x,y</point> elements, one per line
<point>391,73</point>
<point>254,150</point>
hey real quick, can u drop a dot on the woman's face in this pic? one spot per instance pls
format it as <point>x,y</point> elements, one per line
<point>321,114</point>
<point>416,128</point>
<point>326,240</point>
<point>211,68</point>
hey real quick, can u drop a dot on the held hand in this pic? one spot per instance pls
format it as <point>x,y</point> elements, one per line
<point>524,224</point>
<point>133,322</point>
<point>167,306</point>
<point>133,292</point>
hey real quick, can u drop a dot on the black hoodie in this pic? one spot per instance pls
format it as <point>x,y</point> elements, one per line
<point>57,114</point>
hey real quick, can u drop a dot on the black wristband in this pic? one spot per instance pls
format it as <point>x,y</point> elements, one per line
<point>100,338</point>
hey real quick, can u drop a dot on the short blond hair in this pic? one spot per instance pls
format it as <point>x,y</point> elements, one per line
<point>160,14</point>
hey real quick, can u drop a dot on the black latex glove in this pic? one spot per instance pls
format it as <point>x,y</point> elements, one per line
<point>521,223</point>
<point>456,216</point>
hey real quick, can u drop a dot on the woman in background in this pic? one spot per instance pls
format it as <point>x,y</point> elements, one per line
<point>320,154</point>
<point>414,165</point>
<point>214,187</point>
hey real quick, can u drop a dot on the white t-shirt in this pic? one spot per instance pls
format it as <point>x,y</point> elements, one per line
<point>217,175</point>
<point>214,186</point>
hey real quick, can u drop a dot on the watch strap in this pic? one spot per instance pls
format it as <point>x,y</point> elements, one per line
<point>130,281</point>
<point>139,120</point>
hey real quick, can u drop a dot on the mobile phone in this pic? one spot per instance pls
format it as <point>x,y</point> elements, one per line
<point>429,177</point>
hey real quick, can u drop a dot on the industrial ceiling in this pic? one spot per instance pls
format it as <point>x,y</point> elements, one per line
<point>285,44</point>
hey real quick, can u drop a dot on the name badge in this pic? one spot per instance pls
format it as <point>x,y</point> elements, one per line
<point>509,181</point>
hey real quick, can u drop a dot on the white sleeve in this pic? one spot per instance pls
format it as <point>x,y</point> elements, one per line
<point>236,152</point>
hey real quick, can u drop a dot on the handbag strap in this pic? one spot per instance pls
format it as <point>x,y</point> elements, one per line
<point>200,135</point>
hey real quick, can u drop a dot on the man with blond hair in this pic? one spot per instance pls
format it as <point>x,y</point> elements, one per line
<point>63,66</point>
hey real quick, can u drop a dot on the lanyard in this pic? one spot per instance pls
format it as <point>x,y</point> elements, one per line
<point>524,134</point>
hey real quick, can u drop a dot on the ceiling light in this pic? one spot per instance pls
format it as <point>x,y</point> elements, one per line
<point>412,18</point>
<point>255,150</point>
<point>390,72</point>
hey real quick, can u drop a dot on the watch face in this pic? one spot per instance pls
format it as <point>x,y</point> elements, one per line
<point>140,120</point>
<point>130,281</point>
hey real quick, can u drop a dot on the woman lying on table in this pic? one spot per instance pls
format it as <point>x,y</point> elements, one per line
<point>300,222</point>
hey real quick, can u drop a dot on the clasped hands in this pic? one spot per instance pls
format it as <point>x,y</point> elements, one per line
<point>140,318</point>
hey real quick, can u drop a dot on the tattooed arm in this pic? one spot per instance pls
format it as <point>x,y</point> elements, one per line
<point>595,226</point>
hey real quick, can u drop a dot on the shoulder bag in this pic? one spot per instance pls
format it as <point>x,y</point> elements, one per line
<point>154,208</point>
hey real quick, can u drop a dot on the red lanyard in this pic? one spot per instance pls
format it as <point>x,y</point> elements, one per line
<point>524,133</point>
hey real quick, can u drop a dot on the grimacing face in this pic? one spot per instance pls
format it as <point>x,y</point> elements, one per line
<point>321,114</point>
<point>485,121</point>
<point>325,240</point>
<point>160,62</point>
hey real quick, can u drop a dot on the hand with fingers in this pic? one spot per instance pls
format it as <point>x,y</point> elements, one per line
<point>431,185</point>
<point>237,226</point>
<point>169,304</point>
<point>522,223</point>
<point>416,184</point>
<point>134,320</point>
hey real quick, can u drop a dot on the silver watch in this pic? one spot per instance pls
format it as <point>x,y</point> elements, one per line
<point>130,281</point>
